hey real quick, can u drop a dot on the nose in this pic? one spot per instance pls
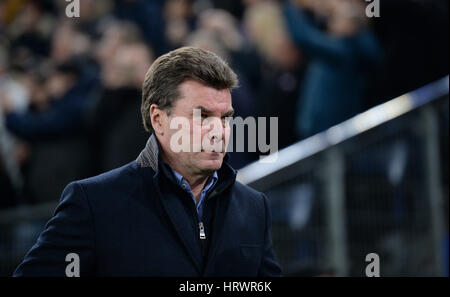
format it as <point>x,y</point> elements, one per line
<point>215,135</point>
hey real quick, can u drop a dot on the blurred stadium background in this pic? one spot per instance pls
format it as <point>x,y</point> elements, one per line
<point>362,105</point>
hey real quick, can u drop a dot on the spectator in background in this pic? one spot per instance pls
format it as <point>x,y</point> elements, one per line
<point>30,31</point>
<point>116,132</point>
<point>53,125</point>
<point>180,21</point>
<point>68,42</point>
<point>12,92</point>
<point>13,96</point>
<point>281,69</point>
<point>59,113</point>
<point>114,34</point>
<point>339,60</point>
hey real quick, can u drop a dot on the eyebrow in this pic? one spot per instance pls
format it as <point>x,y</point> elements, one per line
<point>203,109</point>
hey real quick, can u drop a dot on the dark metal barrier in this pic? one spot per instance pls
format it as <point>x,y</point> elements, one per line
<point>376,183</point>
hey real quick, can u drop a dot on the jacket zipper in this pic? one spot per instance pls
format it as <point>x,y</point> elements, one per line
<point>202,231</point>
<point>202,235</point>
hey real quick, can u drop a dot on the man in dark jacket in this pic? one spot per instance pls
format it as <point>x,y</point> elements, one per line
<point>170,212</point>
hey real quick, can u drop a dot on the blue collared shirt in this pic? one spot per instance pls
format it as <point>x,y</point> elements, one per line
<point>208,187</point>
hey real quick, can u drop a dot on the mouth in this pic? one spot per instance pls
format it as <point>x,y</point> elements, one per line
<point>213,154</point>
<point>212,151</point>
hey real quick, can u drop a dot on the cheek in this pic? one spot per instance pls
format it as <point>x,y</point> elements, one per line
<point>197,128</point>
<point>205,130</point>
<point>227,132</point>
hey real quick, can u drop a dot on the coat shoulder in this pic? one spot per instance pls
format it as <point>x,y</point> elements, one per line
<point>124,173</point>
<point>244,189</point>
<point>247,194</point>
<point>112,183</point>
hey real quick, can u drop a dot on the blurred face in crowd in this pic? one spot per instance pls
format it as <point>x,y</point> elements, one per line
<point>29,17</point>
<point>68,42</point>
<point>213,129</point>
<point>108,45</point>
<point>283,53</point>
<point>347,18</point>
<point>114,36</point>
<point>59,83</point>
<point>265,25</point>
<point>222,24</point>
<point>342,27</point>
<point>127,67</point>
<point>176,13</point>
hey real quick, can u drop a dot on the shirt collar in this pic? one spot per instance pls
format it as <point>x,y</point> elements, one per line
<point>184,184</point>
<point>151,158</point>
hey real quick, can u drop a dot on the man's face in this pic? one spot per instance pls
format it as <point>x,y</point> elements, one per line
<point>208,135</point>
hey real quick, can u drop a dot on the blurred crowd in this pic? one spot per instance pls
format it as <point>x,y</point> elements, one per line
<point>70,87</point>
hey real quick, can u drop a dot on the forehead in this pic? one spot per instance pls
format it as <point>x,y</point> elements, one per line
<point>193,94</point>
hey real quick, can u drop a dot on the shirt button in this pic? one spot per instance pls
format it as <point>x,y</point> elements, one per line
<point>183,186</point>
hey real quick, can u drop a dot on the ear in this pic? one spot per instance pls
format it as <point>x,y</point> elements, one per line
<point>158,119</point>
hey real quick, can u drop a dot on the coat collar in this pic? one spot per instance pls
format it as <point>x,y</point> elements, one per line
<point>150,157</point>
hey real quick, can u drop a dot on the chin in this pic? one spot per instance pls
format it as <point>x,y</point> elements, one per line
<point>212,163</point>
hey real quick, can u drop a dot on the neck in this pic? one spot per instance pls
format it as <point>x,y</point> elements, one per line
<point>197,185</point>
